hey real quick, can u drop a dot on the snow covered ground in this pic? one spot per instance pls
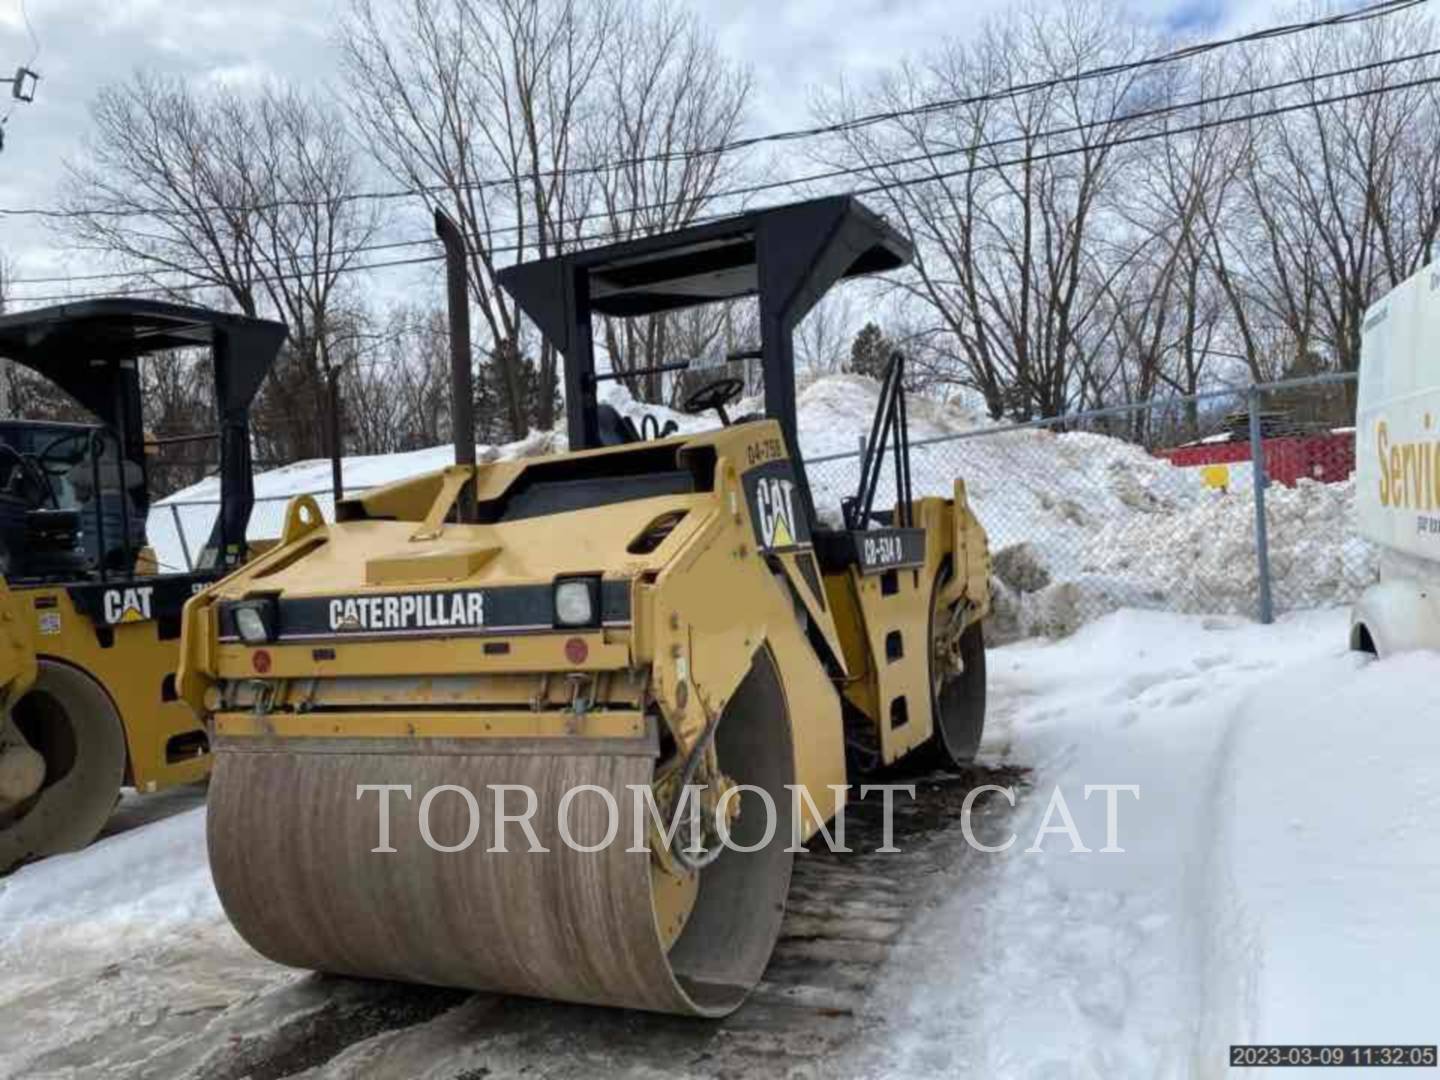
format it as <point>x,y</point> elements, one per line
<point>1279,883</point>
<point>1280,873</point>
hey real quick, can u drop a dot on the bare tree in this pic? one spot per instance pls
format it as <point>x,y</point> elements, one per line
<point>823,338</point>
<point>1009,198</point>
<point>397,394</point>
<point>162,188</point>
<point>1342,196</point>
<point>1069,266</point>
<point>476,102</point>
<point>512,112</point>
<point>176,390</point>
<point>664,91</point>
<point>1165,312</point>
<point>251,197</point>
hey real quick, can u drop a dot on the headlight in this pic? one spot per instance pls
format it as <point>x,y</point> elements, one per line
<point>575,602</point>
<point>254,622</point>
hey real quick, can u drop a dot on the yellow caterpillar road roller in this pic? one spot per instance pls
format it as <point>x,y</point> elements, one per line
<point>101,618</point>
<point>426,714</point>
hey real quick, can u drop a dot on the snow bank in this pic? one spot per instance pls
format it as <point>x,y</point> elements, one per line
<point>1279,873</point>
<point>1327,804</point>
<point>1106,525</point>
<point>1195,554</point>
<point>138,886</point>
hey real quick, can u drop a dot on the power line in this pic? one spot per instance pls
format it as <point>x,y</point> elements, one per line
<point>1189,129</point>
<point>197,286</point>
<point>1380,9</point>
<point>869,170</point>
<point>27,68</point>
<point>876,188</point>
<point>337,253</point>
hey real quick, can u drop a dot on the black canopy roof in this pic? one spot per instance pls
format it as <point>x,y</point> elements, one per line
<point>66,342</point>
<point>702,264</point>
<point>787,256</point>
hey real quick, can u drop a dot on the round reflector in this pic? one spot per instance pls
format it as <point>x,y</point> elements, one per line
<point>576,650</point>
<point>260,660</point>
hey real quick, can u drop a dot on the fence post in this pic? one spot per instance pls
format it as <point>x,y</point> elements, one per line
<point>180,532</point>
<point>1258,482</point>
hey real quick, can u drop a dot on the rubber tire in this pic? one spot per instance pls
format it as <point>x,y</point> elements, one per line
<point>959,705</point>
<point>70,810</point>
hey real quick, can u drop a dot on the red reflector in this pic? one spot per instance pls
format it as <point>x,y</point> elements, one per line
<point>260,660</point>
<point>576,650</point>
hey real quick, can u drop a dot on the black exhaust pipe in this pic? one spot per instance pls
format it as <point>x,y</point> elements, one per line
<point>462,390</point>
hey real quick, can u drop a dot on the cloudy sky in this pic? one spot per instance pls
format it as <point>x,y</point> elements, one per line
<point>792,46</point>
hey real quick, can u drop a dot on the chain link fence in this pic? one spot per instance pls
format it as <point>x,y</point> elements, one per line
<point>1154,505</point>
<point>1151,506</point>
<point>178,531</point>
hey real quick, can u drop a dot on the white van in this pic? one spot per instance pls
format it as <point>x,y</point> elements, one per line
<point>1397,475</point>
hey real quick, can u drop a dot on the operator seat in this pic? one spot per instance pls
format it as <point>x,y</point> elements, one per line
<point>101,509</point>
<point>614,428</point>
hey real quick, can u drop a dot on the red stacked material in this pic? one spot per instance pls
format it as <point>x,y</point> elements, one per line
<point>1326,456</point>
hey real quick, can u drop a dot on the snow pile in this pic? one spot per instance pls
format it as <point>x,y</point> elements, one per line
<point>834,412</point>
<point>175,887</point>
<point>110,957</point>
<point>1104,524</point>
<point>1279,873</point>
<point>1197,555</point>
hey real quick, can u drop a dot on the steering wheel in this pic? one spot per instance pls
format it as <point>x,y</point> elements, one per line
<point>60,440</point>
<point>715,395</point>
<point>49,450</point>
<point>36,475</point>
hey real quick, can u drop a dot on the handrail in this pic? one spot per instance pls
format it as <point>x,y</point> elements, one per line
<point>890,418</point>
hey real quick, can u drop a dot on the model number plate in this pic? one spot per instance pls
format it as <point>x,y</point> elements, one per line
<point>886,549</point>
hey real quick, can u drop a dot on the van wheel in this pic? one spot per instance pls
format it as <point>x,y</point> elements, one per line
<point>957,685</point>
<point>70,721</point>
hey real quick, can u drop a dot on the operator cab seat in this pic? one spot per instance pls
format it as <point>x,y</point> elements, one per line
<point>614,428</point>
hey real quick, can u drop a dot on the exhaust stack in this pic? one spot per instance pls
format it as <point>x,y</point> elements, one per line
<point>462,390</point>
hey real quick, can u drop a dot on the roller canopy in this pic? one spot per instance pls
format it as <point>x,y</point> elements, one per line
<point>787,256</point>
<point>89,350</point>
<point>67,342</point>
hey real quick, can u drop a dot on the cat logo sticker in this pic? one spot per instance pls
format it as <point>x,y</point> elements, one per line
<point>775,509</point>
<point>127,605</point>
<point>775,500</point>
